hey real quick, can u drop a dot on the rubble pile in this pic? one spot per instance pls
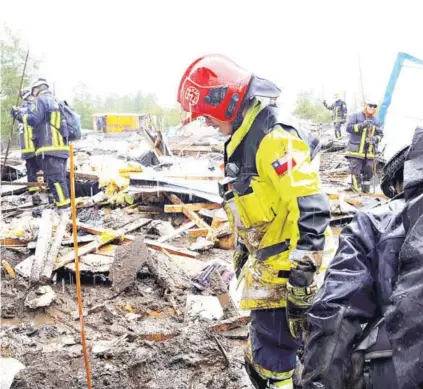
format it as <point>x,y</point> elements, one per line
<point>155,261</point>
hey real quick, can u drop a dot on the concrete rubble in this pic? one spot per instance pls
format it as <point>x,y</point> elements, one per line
<point>155,261</point>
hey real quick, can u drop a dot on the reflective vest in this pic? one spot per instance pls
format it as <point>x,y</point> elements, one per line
<point>44,116</point>
<point>339,111</point>
<point>26,135</point>
<point>273,201</point>
<point>358,147</point>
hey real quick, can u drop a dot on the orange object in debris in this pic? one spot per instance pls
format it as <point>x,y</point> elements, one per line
<point>78,280</point>
<point>222,166</point>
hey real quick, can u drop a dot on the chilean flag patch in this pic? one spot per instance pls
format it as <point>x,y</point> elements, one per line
<point>283,164</point>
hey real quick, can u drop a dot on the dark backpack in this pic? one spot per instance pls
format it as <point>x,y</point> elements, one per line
<point>70,126</point>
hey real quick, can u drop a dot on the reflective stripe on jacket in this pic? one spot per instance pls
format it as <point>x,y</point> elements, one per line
<point>339,110</point>
<point>275,203</point>
<point>26,134</point>
<point>358,146</point>
<point>44,116</point>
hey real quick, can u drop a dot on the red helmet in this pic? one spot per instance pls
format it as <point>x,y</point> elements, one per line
<point>214,86</point>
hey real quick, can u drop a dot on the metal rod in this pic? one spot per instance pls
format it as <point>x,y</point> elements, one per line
<point>77,276</point>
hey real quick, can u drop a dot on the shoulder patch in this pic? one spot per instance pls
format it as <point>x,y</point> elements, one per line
<point>284,164</point>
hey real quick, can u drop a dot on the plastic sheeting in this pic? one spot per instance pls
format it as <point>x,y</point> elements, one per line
<point>402,109</point>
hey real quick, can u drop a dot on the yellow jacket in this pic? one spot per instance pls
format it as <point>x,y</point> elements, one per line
<point>274,202</point>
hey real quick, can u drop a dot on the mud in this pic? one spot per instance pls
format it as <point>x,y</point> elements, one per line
<point>138,338</point>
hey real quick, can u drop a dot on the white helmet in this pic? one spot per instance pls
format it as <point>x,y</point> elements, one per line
<point>370,100</point>
<point>25,93</point>
<point>39,82</point>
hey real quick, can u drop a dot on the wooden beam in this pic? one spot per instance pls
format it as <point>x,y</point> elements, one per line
<point>169,248</point>
<point>188,213</point>
<point>12,242</point>
<point>172,208</point>
<point>377,195</point>
<point>43,244</point>
<point>177,232</point>
<point>103,239</point>
<point>354,202</point>
<point>196,232</point>
<point>230,324</point>
<point>195,178</point>
<point>55,246</point>
<point>159,246</point>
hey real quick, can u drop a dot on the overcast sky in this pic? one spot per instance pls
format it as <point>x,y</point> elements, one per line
<point>122,46</point>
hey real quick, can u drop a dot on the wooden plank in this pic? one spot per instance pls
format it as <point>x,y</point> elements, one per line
<point>20,183</point>
<point>86,176</point>
<point>354,202</point>
<point>159,246</point>
<point>188,213</point>
<point>195,178</point>
<point>177,232</point>
<point>227,242</point>
<point>169,248</point>
<point>196,232</point>
<point>172,208</point>
<point>55,246</point>
<point>103,239</point>
<point>377,195</point>
<point>230,324</point>
<point>12,190</point>
<point>217,222</point>
<point>43,244</point>
<point>12,242</point>
<point>81,239</point>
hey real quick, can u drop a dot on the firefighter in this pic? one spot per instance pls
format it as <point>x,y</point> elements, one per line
<point>52,148</point>
<point>275,205</point>
<point>365,135</point>
<point>375,279</point>
<point>28,147</point>
<point>339,113</point>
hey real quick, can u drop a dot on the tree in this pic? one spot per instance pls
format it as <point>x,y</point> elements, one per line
<point>12,62</point>
<point>86,106</point>
<point>308,108</point>
<point>83,104</point>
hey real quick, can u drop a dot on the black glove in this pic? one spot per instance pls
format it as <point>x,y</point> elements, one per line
<point>240,258</point>
<point>368,123</point>
<point>16,113</point>
<point>301,291</point>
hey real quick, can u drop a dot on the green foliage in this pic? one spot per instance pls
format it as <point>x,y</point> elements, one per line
<point>310,109</point>
<point>87,105</point>
<point>12,62</point>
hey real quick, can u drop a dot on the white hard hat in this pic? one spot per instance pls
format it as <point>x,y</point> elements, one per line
<point>39,82</point>
<point>371,100</point>
<point>25,93</point>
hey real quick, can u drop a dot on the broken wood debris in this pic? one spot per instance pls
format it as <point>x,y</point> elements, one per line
<point>54,248</point>
<point>188,213</point>
<point>173,208</point>
<point>230,324</point>
<point>43,244</point>
<point>178,231</point>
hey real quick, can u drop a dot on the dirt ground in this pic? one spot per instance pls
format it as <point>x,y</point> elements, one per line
<point>139,338</point>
